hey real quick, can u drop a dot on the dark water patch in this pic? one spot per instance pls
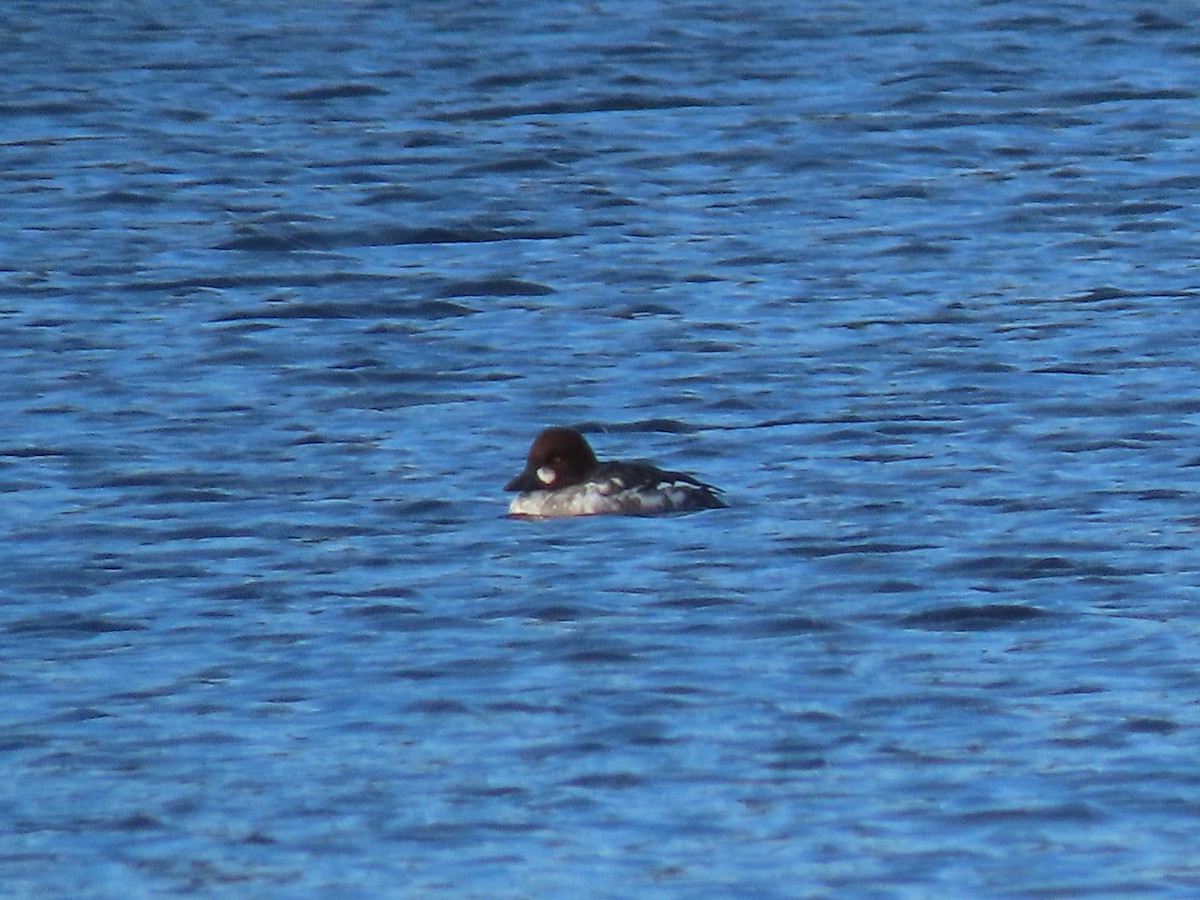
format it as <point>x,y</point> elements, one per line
<point>385,613</point>
<point>641,734</point>
<point>439,706</point>
<point>1161,494</point>
<point>107,199</point>
<point>786,626</point>
<point>1180,182</point>
<point>1079,368</point>
<point>351,309</point>
<point>796,761</point>
<point>813,549</point>
<point>1017,567</point>
<point>374,372</point>
<point>524,165</point>
<point>402,618</point>
<point>957,73</point>
<point>138,821</point>
<point>14,740</point>
<point>397,194</point>
<point>1079,813</point>
<point>242,281</point>
<point>1152,20</point>
<point>485,791</point>
<point>897,586</point>
<point>80,714</point>
<point>1121,93</point>
<point>888,456</point>
<point>709,347</point>
<point>925,705</point>
<point>696,602</point>
<point>495,287</point>
<point>599,104</point>
<point>603,654</point>
<point>48,108</point>
<point>645,310</point>
<point>335,92</point>
<point>440,512</point>
<point>1150,725</point>
<point>1145,227</point>
<point>1079,690</point>
<point>188,495</point>
<point>437,834</point>
<point>399,620</point>
<point>183,571</point>
<point>899,192</point>
<point>967,617</point>
<point>35,452</point>
<point>71,624</point>
<point>307,239</point>
<point>524,77</point>
<point>1112,409</point>
<point>1100,294</point>
<point>1143,208</point>
<point>178,479</point>
<point>605,781</point>
<point>639,426</point>
<point>557,612</point>
<point>386,591</point>
<point>254,588</point>
<point>381,399</point>
<point>917,249</point>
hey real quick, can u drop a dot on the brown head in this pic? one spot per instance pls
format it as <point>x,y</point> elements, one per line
<point>558,458</point>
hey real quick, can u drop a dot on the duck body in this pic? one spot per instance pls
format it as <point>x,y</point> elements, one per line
<point>563,477</point>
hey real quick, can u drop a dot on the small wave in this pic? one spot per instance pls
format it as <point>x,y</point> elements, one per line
<point>973,618</point>
<point>69,624</point>
<point>334,92</point>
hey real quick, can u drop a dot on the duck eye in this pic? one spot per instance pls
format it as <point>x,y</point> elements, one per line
<point>546,475</point>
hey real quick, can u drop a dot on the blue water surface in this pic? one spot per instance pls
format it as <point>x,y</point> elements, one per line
<point>286,289</point>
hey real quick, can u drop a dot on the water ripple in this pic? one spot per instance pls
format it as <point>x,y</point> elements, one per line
<point>286,293</point>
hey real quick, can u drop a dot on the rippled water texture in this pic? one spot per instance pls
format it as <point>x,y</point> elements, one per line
<point>287,288</point>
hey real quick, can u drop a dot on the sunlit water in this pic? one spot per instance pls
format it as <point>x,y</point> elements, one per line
<point>286,291</point>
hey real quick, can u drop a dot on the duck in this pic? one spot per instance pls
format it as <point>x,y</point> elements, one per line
<point>563,477</point>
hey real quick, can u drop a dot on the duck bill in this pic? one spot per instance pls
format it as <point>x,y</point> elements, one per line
<point>526,481</point>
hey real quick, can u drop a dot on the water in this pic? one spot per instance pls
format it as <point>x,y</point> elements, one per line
<point>286,290</point>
